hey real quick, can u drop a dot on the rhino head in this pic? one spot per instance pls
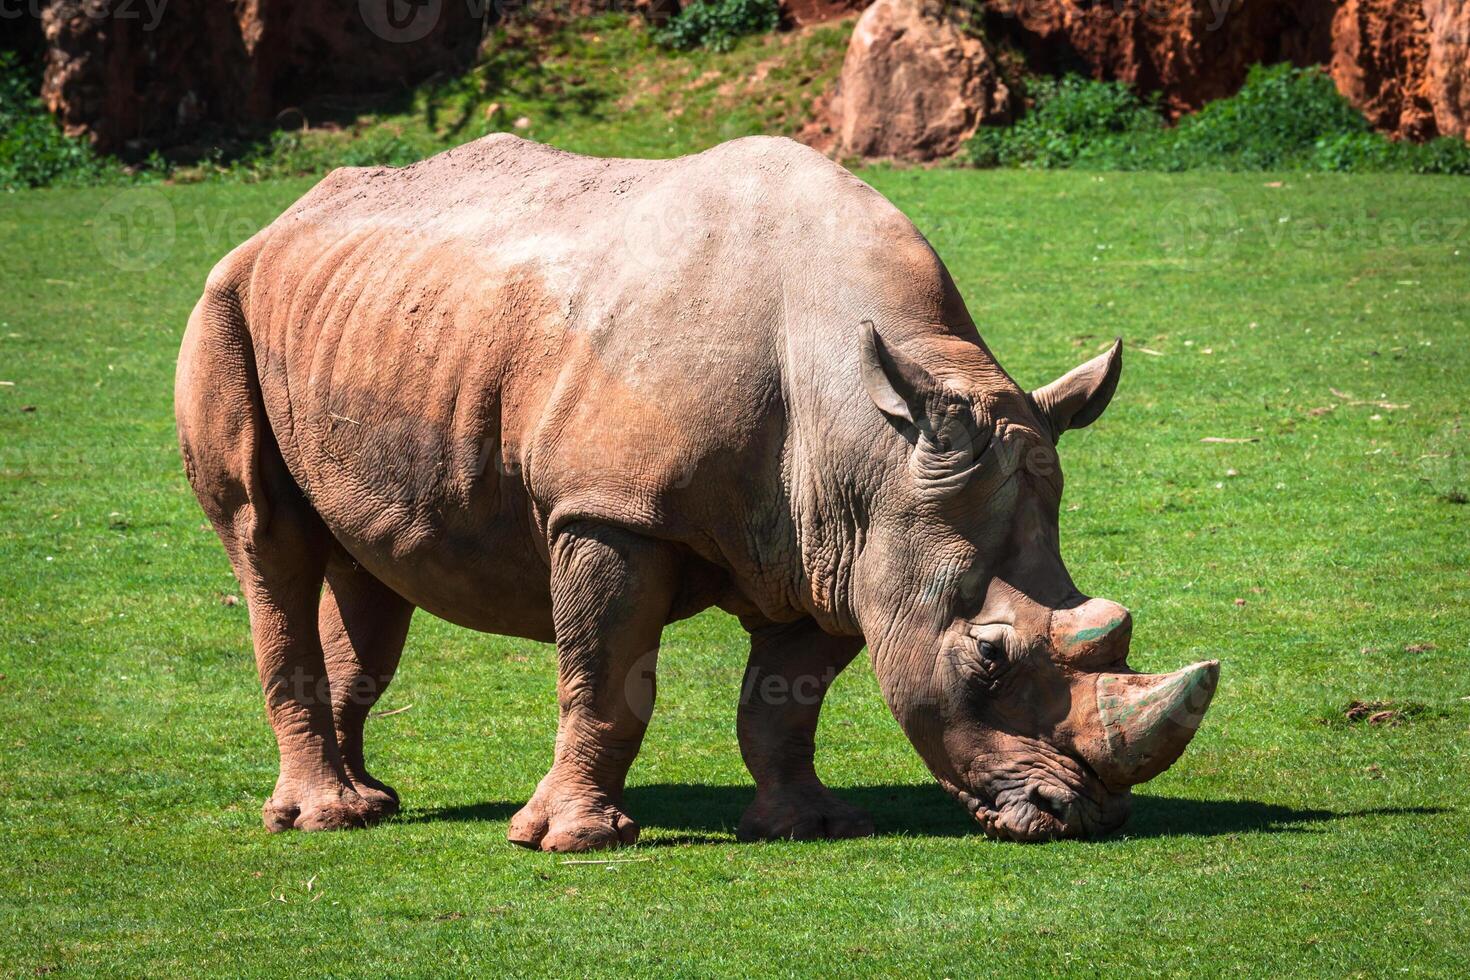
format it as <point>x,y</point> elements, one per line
<point>1013,686</point>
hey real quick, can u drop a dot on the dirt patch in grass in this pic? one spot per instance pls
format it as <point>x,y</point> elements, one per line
<point>1374,713</point>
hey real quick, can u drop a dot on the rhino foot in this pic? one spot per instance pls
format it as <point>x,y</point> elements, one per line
<point>571,825</point>
<point>803,813</point>
<point>337,809</point>
<point>382,799</point>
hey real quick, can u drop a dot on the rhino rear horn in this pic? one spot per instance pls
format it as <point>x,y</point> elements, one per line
<point>1077,398</point>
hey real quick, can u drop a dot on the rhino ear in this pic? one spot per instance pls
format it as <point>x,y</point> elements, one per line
<point>949,439</point>
<point>899,387</point>
<point>1077,398</point>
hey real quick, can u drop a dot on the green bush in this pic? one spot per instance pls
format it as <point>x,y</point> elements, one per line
<point>1371,153</point>
<point>1273,123</point>
<point>1283,118</point>
<point>1071,118</point>
<point>34,152</point>
<point>717,24</point>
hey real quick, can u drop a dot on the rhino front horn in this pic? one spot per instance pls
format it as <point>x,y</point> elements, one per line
<point>1148,719</point>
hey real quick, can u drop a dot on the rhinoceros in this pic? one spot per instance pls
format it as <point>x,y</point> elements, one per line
<point>576,399</point>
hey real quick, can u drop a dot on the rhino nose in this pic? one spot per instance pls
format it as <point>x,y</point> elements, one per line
<point>1095,632</point>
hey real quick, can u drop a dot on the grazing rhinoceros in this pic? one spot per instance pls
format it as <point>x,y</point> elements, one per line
<point>576,399</point>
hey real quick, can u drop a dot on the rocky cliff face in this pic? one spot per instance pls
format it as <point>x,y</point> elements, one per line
<point>1404,63</point>
<point>1190,51</point>
<point>914,85</point>
<point>1448,64</point>
<point>118,73</point>
<point>1380,62</point>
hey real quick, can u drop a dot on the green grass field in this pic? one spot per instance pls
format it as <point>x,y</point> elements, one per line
<point>1320,327</point>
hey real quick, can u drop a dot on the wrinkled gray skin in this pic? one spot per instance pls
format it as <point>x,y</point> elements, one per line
<point>576,399</point>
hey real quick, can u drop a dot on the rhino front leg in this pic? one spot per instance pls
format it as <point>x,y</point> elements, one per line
<point>611,593</point>
<point>363,625</point>
<point>791,666</point>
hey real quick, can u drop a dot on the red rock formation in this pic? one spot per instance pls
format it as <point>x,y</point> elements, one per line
<point>1404,63</point>
<point>1449,64</point>
<point>1379,61</point>
<point>914,85</point>
<point>113,73</point>
<point>117,72</point>
<point>1190,51</point>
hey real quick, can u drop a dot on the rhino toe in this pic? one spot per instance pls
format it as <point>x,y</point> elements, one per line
<point>571,828</point>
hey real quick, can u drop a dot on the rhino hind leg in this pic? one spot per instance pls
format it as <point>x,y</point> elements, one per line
<point>791,666</point>
<point>278,547</point>
<point>363,625</point>
<point>282,576</point>
<point>612,591</point>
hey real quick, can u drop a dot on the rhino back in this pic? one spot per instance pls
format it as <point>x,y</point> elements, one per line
<point>460,356</point>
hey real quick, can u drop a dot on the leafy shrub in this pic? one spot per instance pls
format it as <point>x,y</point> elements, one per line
<point>1371,153</point>
<point>1272,123</point>
<point>1071,118</point>
<point>33,150</point>
<point>717,24</point>
<point>1283,118</point>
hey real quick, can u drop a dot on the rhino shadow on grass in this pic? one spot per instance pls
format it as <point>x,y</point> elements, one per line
<point>698,813</point>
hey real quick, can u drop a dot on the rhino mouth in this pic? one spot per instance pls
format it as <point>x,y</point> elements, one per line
<point>1032,800</point>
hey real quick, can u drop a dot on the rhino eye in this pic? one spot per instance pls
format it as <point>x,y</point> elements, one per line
<point>988,660</point>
